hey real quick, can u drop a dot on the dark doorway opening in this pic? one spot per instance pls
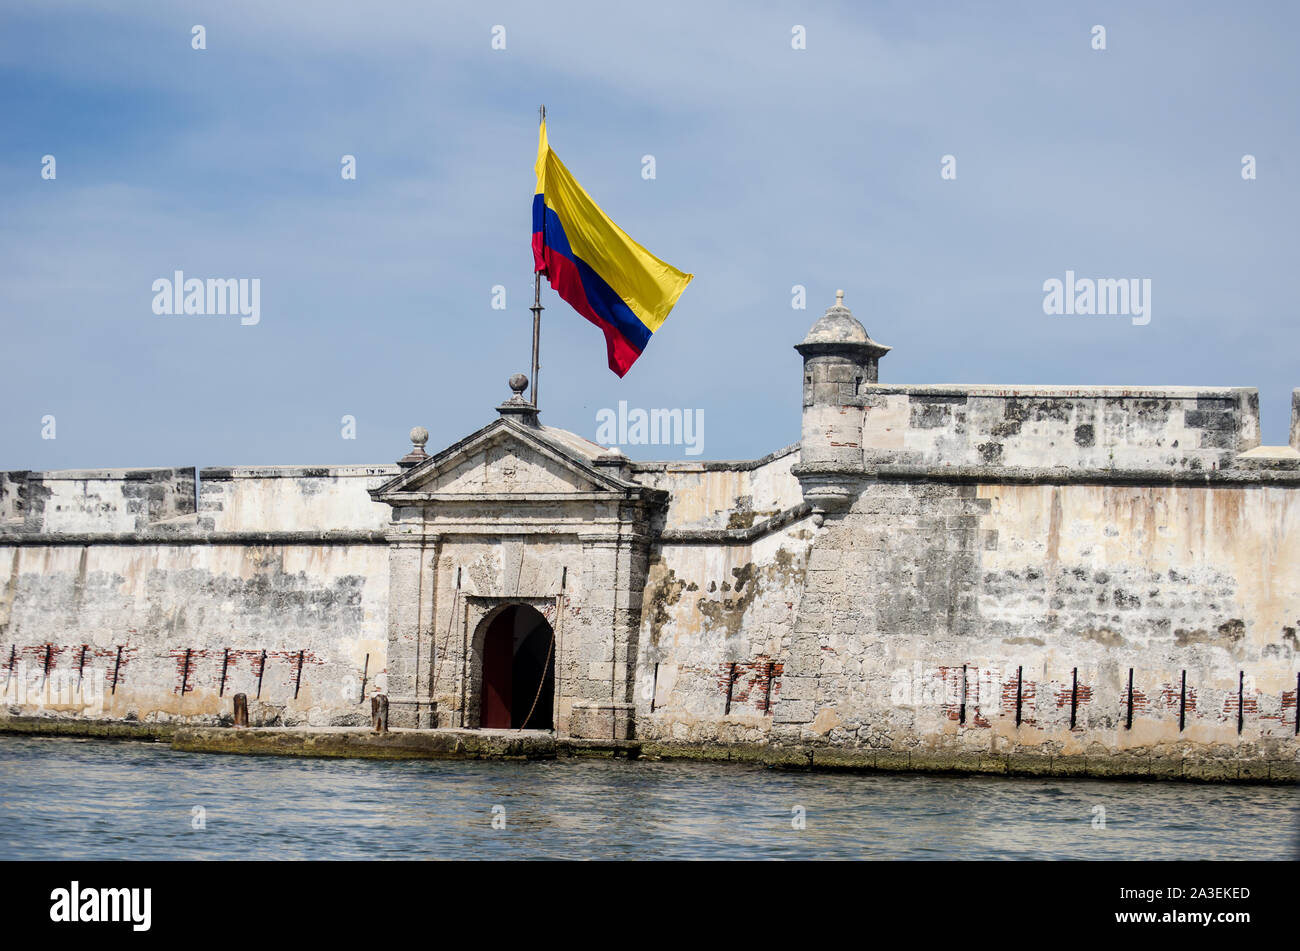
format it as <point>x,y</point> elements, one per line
<point>518,671</point>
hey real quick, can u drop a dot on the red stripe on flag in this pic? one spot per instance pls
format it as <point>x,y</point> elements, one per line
<point>563,276</point>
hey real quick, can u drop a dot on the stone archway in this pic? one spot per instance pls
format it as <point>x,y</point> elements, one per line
<point>518,670</point>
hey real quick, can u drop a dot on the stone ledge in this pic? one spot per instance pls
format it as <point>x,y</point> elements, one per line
<point>1066,475</point>
<point>361,743</point>
<point>102,729</point>
<point>1117,766</point>
<point>1047,391</point>
<point>782,519</point>
<point>713,465</point>
<point>151,474</point>
<point>456,744</point>
<point>147,537</point>
<point>346,471</point>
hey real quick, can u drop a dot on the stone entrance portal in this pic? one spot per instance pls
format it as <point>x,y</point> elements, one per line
<point>517,541</point>
<point>518,670</point>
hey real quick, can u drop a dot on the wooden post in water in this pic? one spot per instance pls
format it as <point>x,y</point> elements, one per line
<point>379,713</point>
<point>241,709</point>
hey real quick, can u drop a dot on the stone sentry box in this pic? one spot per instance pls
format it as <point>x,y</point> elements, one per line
<point>516,514</point>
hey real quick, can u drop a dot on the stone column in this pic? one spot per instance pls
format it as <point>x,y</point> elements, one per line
<point>410,613</point>
<point>813,622</point>
<point>446,637</point>
<point>603,650</point>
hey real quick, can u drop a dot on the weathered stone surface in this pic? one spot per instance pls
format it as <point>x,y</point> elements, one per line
<point>364,743</point>
<point>935,577</point>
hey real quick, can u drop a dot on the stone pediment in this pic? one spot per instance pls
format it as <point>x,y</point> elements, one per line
<point>506,459</point>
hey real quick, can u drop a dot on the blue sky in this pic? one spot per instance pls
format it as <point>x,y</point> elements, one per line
<point>774,166</point>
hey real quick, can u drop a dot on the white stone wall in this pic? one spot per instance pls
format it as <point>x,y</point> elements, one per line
<point>292,498</point>
<point>94,500</point>
<point>290,561</point>
<point>718,495</point>
<point>1028,583</point>
<point>156,601</point>
<point>706,607</point>
<point>1046,539</point>
<point>1136,428</point>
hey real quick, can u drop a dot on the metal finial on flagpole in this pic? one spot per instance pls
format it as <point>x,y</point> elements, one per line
<point>537,303</point>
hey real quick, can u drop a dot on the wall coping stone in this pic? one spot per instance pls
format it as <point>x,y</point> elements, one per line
<point>1065,475</point>
<point>714,465</point>
<point>742,535</point>
<point>56,539</point>
<point>154,474</point>
<point>1064,391</point>
<point>223,473</point>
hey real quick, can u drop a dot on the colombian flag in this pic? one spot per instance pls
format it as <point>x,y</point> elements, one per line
<point>595,267</point>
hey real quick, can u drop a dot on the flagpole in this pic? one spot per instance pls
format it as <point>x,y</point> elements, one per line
<point>537,327</point>
<point>537,304</point>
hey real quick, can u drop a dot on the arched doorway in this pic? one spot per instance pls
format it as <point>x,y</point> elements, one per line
<point>518,671</point>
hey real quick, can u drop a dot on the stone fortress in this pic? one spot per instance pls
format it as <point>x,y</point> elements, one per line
<point>1064,579</point>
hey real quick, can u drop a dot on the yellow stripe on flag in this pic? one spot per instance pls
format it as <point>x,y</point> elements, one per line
<point>649,286</point>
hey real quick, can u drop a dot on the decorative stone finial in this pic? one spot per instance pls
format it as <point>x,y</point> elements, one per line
<point>839,298</point>
<point>517,407</point>
<point>417,455</point>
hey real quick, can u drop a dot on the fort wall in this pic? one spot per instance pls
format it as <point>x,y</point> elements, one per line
<point>114,584</point>
<point>1069,574</point>
<point>1092,427</point>
<point>984,569</point>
